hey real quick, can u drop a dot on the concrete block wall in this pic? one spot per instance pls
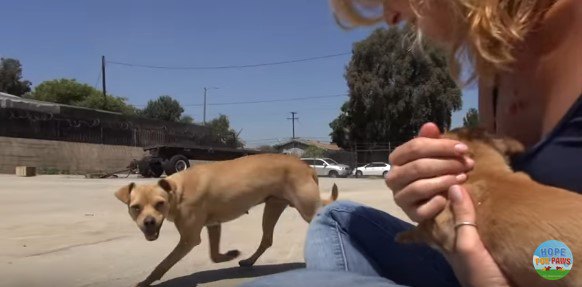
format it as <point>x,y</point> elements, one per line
<point>64,156</point>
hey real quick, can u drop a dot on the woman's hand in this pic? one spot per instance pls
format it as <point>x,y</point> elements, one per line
<point>422,171</point>
<point>471,262</point>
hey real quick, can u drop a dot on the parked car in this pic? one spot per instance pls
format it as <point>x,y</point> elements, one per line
<point>328,167</point>
<point>373,168</point>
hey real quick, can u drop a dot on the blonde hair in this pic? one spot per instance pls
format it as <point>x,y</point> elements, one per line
<point>489,30</point>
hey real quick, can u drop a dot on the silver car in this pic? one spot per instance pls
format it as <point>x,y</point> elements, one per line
<point>328,167</point>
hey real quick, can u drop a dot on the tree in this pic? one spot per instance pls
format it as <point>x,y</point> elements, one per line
<point>164,108</point>
<point>11,78</point>
<point>471,119</point>
<point>393,91</point>
<point>221,130</point>
<point>63,91</point>
<point>113,104</point>
<point>339,126</point>
<point>71,92</point>
<point>186,119</point>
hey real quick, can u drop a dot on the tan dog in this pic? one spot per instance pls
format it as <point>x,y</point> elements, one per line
<point>209,194</point>
<point>514,213</point>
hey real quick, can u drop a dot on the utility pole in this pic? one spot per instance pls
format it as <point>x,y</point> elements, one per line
<point>204,117</point>
<point>206,90</point>
<point>293,119</point>
<point>103,82</point>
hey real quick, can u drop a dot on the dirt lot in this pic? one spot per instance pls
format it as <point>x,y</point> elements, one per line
<point>71,231</point>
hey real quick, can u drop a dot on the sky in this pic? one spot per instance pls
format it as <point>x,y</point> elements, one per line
<point>66,39</point>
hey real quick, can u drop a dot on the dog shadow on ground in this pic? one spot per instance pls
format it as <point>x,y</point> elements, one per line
<point>208,276</point>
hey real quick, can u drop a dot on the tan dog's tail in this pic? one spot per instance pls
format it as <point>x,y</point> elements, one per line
<point>334,190</point>
<point>332,198</point>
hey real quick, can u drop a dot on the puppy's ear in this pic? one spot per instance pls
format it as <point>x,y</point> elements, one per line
<point>123,193</point>
<point>508,146</point>
<point>167,185</point>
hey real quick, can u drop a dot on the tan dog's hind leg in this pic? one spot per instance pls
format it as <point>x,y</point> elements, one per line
<point>306,199</point>
<point>214,238</point>
<point>273,209</point>
<point>185,245</point>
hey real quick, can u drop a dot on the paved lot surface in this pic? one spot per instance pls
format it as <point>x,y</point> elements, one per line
<point>71,231</point>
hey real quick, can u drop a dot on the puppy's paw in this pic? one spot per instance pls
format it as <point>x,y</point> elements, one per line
<point>232,254</point>
<point>246,263</point>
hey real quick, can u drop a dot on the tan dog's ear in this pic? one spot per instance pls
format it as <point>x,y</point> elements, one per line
<point>508,146</point>
<point>167,185</point>
<point>123,193</point>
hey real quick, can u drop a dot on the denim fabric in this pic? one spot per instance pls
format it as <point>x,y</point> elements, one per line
<point>358,242</point>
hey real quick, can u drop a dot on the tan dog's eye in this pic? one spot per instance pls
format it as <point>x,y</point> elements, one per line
<point>135,208</point>
<point>160,205</point>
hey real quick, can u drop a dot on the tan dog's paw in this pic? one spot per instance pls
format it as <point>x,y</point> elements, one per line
<point>246,263</point>
<point>230,255</point>
<point>233,254</point>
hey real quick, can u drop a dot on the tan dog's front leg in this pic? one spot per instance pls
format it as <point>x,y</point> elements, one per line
<point>184,246</point>
<point>214,238</point>
<point>273,209</point>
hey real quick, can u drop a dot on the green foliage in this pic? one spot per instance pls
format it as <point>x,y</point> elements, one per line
<point>113,104</point>
<point>164,108</point>
<point>63,91</point>
<point>186,119</point>
<point>71,92</point>
<point>393,91</point>
<point>471,119</point>
<point>313,151</point>
<point>340,127</point>
<point>11,78</point>
<point>220,128</point>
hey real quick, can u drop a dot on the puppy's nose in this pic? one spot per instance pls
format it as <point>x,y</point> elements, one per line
<point>149,222</point>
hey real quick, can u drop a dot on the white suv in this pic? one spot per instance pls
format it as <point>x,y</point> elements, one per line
<point>328,167</point>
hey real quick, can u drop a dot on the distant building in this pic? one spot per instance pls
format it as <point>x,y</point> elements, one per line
<point>299,146</point>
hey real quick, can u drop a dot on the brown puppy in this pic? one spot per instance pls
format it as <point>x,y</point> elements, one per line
<point>514,213</point>
<point>209,194</point>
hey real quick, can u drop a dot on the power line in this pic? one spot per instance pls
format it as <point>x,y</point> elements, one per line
<point>263,101</point>
<point>228,66</point>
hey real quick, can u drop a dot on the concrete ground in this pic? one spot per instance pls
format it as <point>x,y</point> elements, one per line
<point>72,231</point>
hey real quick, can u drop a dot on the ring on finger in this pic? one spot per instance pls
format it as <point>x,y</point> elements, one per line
<point>459,224</point>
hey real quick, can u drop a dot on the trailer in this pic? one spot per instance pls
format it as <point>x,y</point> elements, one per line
<point>170,159</point>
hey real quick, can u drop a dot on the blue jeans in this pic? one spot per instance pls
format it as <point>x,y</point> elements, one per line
<point>349,244</point>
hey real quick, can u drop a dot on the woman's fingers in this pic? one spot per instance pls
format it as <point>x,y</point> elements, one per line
<point>400,177</point>
<point>468,239</point>
<point>429,130</point>
<point>423,198</point>
<point>429,209</point>
<point>423,147</point>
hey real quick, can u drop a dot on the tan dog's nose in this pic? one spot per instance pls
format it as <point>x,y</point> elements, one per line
<point>149,222</point>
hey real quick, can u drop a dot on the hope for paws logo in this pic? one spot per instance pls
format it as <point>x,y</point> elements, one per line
<point>553,260</point>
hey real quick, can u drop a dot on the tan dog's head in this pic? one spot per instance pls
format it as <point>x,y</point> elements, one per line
<point>148,205</point>
<point>485,147</point>
<point>490,153</point>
